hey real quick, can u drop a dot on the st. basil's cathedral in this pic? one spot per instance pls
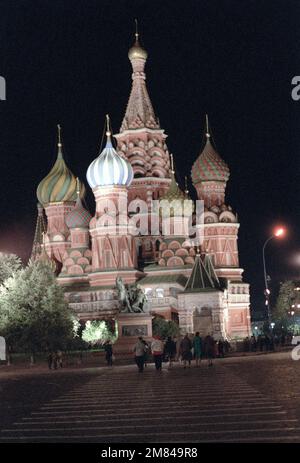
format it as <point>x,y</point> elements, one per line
<point>199,287</point>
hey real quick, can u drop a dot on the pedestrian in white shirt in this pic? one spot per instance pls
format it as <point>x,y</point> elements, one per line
<point>157,349</point>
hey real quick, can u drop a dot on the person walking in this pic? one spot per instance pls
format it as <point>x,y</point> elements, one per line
<point>170,351</point>
<point>246,344</point>
<point>59,357</point>
<point>253,344</point>
<point>186,350</point>
<point>226,347</point>
<point>54,360</point>
<point>260,342</point>
<point>108,353</point>
<point>178,354</point>
<point>197,345</point>
<point>209,348</point>
<point>157,349</point>
<point>50,360</point>
<point>221,349</point>
<point>139,353</point>
<point>146,353</point>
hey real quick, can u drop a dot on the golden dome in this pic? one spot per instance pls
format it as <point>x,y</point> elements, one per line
<point>137,51</point>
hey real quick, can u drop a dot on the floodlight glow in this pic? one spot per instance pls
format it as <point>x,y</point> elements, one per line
<point>279,232</point>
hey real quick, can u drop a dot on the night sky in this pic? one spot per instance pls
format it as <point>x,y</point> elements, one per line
<point>66,62</point>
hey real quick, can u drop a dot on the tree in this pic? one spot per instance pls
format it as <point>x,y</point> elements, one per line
<point>98,331</point>
<point>34,315</point>
<point>284,301</point>
<point>164,328</point>
<point>9,265</point>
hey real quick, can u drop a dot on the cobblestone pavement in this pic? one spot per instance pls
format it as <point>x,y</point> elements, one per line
<point>246,399</point>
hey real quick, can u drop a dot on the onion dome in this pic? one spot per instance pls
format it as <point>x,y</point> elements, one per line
<point>209,166</point>
<point>109,168</point>
<point>79,217</point>
<point>136,51</point>
<point>60,184</point>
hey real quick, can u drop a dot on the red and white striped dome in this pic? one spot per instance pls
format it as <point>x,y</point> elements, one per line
<point>209,166</point>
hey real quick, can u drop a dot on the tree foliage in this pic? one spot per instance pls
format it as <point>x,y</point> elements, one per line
<point>97,332</point>
<point>9,265</point>
<point>285,300</point>
<point>34,315</point>
<point>164,328</point>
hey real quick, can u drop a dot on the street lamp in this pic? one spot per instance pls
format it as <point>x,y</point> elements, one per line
<point>277,233</point>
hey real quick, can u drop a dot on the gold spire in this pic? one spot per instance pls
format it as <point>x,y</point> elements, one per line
<point>59,144</point>
<point>186,190</point>
<point>207,126</point>
<point>136,30</point>
<point>108,131</point>
<point>77,187</point>
<point>172,164</point>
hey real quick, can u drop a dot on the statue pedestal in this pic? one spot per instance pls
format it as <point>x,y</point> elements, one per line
<point>130,327</point>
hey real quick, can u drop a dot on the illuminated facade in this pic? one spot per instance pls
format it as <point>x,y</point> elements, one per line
<point>201,287</point>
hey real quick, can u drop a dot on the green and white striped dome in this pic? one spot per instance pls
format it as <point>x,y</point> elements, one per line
<point>60,184</point>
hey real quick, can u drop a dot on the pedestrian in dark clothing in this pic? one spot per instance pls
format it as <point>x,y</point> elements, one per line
<point>253,344</point>
<point>170,351</point>
<point>260,342</point>
<point>108,353</point>
<point>50,360</point>
<point>198,348</point>
<point>246,344</point>
<point>186,350</point>
<point>226,346</point>
<point>221,348</point>
<point>146,353</point>
<point>209,349</point>
<point>54,360</point>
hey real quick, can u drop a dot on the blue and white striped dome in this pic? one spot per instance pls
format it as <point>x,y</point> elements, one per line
<point>109,168</point>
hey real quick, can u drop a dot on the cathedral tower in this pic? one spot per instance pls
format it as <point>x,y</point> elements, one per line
<point>210,175</point>
<point>141,139</point>
<point>113,246</point>
<point>57,194</point>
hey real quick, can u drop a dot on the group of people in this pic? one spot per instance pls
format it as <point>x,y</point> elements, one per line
<point>184,350</point>
<point>265,342</point>
<point>55,360</point>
